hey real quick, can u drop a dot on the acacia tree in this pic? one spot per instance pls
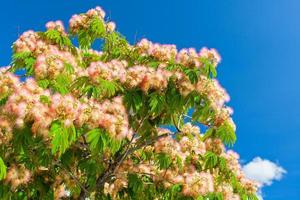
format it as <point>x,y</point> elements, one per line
<point>120,123</point>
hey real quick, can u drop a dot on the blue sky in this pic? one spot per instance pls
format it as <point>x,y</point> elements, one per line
<point>259,41</point>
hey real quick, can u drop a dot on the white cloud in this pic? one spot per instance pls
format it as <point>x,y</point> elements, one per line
<point>264,172</point>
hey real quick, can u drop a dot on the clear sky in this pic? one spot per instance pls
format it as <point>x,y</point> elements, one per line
<point>259,41</point>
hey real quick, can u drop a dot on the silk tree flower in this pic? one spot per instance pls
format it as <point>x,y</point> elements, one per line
<point>193,182</point>
<point>187,57</point>
<point>18,175</point>
<point>79,22</point>
<point>56,25</point>
<point>211,54</point>
<point>110,26</point>
<point>161,52</point>
<point>24,106</point>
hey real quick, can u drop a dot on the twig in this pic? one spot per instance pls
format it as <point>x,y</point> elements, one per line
<point>179,121</point>
<point>112,169</point>
<point>177,127</point>
<point>73,177</point>
<point>205,124</point>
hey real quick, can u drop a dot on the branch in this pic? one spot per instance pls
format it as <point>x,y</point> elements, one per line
<point>8,69</point>
<point>73,177</point>
<point>112,168</point>
<point>176,126</point>
<point>146,143</point>
<point>205,124</point>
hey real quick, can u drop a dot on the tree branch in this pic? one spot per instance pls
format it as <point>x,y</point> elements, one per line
<point>74,178</point>
<point>112,169</point>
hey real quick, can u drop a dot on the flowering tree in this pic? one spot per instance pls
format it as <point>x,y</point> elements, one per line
<point>88,124</point>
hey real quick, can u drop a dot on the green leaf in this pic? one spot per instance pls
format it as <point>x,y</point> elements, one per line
<point>72,133</point>
<point>252,197</point>
<point>134,183</point>
<point>213,71</point>
<point>116,47</point>
<point>43,83</point>
<point>209,68</point>
<point>69,68</point>
<point>164,160</point>
<point>209,133</point>
<point>214,196</point>
<point>115,145</point>
<point>29,62</point>
<point>179,162</point>
<point>59,138</point>
<point>210,160</point>
<point>3,100</point>
<point>106,88</point>
<point>153,64</point>
<point>2,169</point>
<point>61,83</point>
<point>133,100</point>
<point>203,112</point>
<point>173,192</point>
<point>96,28</point>
<point>84,39</point>
<point>62,137</point>
<point>82,84</point>
<point>45,99</point>
<point>156,103</point>
<point>97,139</point>
<point>53,35</point>
<point>222,163</point>
<point>21,55</point>
<point>226,133</point>
<point>192,74</point>
<point>57,37</point>
<point>24,60</point>
<point>200,198</point>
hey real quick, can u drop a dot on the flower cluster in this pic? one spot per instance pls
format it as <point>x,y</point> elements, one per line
<point>162,52</point>
<point>113,71</point>
<point>146,78</point>
<point>29,41</point>
<point>213,90</point>
<point>78,22</point>
<point>82,21</point>
<point>56,25</point>
<point>214,145</point>
<point>227,191</point>
<point>62,181</point>
<point>187,57</point>
<point>53,62</point>
<point>233,164</point>
<point>18,175</point>
<point>139,76</point>
<point>186,150</point>
<point>8,82</point>
<point>210,54</point>
<point>30,103</point>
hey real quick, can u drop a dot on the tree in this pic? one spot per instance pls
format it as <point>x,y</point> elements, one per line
<point>120,123</point>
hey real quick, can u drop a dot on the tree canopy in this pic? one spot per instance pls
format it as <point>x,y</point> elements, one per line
<point>120,121</point>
